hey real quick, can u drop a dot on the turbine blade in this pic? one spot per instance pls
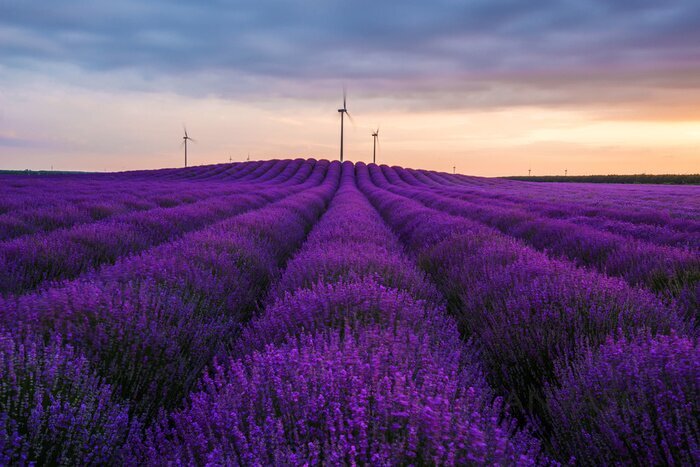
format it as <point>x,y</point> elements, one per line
<point>345,95</point>
<point>352,120</point>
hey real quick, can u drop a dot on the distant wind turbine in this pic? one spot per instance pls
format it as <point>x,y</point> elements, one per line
<point>454,169</point>
<point>343,112</point>
<point>184,141</point>
<point>375,135</point>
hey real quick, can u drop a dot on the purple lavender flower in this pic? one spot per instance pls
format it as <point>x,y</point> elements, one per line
<point>54,410</point>
<point>376,395</point>
<point>632,401</point>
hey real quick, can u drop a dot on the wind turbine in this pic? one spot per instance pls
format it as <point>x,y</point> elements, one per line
<point>343,112</point>
<point>184,141</point>
<point>375,135</point>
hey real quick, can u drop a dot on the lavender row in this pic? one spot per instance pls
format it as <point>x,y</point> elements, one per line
<point>26,263</point>
<point>652,204</point>
<point>229,172</point>
<point>652,226</point>
<point>24,194</point>
<point>39,194</point>
<point>218,171</point>
<point>148,325</point>
<point>196,275</point>
<point>670,271</point>
<point>534,318</point>
<point>84,200</point>
<point>107,204</point>
<point>344,367</point>
<point>20,192</point>
<point>54,203</point>
<point>656,204</point>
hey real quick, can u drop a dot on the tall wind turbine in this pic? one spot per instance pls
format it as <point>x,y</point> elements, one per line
<point>343,112</point>
<point>184,141</point>
<point>375,135</point>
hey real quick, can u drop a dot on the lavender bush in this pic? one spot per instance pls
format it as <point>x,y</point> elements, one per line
<point>338,305</point>
<point>632,401</point>
<point>54,410</point>
<point>384,397</point>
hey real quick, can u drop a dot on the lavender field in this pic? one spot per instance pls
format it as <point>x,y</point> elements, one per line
<point>293,312</point>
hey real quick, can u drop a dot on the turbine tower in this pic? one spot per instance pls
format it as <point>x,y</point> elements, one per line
<point>184,141</point>
<point>375,136</point>
<point>343,112</point>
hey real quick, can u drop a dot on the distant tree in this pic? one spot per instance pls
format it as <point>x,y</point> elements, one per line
<point>667,179</point>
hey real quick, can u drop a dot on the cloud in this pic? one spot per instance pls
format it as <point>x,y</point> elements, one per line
<point>438,54</point>
<point>11,141</point>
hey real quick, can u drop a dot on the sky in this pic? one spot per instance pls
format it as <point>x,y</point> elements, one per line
<point>487,87</point>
